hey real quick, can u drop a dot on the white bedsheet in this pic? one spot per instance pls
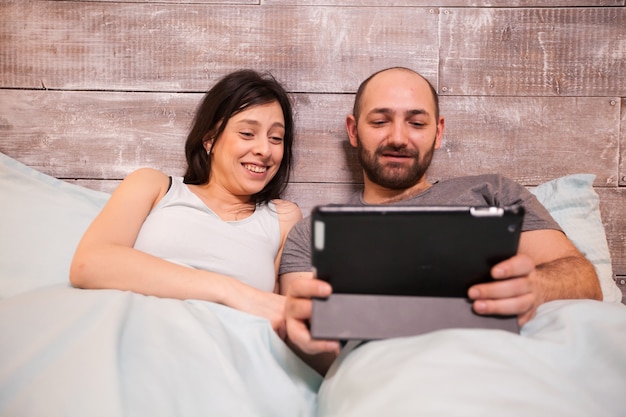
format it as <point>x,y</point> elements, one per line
<point>70,352</point>
<point>569,361</point>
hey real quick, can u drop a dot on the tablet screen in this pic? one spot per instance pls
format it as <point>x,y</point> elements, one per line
<point>421,251</point>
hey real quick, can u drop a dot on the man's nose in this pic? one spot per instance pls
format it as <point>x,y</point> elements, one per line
<point>398,135</point>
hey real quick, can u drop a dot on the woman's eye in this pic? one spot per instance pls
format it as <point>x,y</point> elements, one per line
<point>276,139</point>
<point>246,134</point>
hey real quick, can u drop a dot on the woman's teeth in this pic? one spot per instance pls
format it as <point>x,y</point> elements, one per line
<point>255,168</point>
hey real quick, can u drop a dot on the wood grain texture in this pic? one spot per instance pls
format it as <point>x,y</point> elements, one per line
<point>613,210</point>
<point>253,2</point>
<point>397,3</point>
<point>109,134</point>
<point>451,3</point>
<point>622,146</point>
<point>170,47</point>
<point>95,135</point>
<point>532,139</point>
<point>533,52</point>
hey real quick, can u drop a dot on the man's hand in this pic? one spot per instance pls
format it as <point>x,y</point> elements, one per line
<point>547,267</point>
<point>512,293</point>
<point>298,313</point>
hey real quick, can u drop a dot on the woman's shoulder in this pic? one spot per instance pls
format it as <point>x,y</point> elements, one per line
<point>147,177</point>
<point>147,174</point>
<point>287,211</point>
<point>146,181</point>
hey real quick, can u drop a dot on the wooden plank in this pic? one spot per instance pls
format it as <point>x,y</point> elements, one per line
<point>101,135</point>
<point>308,195</point>
<point>449,3</point>
<point>621,283</point>
<point>107,186</point>
<point>254,2</point>
<point>613,209</point>
<point>622,146</point>
<point>530,139</point>
<point>401,3</point>
<point>322,152</point>
<point>533,52</point>
<point>109,134</point>
<point>172,47</point>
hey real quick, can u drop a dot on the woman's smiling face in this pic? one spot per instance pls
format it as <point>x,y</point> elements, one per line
<point>249,151</point>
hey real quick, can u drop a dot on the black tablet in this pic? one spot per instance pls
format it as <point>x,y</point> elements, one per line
<point>403,271</point>
<point>421,251</point>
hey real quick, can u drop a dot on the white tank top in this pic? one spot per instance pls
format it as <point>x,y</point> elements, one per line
<point>182,229</point>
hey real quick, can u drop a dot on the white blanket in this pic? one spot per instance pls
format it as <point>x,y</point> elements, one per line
<point>70,352</point>
<point>569,361</point>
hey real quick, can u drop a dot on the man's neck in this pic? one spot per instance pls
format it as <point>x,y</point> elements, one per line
<point>375,194</point>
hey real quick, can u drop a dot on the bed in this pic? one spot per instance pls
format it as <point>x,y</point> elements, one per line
<point>71,352</point>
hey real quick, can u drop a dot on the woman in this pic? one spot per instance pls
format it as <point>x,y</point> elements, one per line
<point>216,234</point>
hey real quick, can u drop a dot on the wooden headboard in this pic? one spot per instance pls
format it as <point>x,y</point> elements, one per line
<point>91,90</point>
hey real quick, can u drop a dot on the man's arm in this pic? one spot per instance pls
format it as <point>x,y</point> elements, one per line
<point>300,288</point>
<point>547,267</point>
<point>298,284</point>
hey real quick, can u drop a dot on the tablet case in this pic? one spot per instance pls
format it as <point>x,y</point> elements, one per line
<point>398,271</point>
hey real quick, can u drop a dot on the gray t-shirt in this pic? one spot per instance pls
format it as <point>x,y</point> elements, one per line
<point>491,189</point>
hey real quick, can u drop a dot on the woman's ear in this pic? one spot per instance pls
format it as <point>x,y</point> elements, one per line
<point>207,141</point>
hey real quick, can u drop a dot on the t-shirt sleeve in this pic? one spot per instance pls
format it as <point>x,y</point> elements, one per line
<point>537,216</point>
<point>296,256</point>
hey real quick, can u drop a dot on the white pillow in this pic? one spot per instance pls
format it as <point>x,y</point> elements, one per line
<point>575,205</point>
<point>41,221</point>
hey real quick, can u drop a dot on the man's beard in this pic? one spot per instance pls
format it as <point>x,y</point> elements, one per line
<point>394,176</point>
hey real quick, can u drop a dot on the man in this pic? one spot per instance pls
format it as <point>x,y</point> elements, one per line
<point>396,127</point>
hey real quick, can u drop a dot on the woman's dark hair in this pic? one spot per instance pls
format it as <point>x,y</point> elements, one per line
<point>231,95</point>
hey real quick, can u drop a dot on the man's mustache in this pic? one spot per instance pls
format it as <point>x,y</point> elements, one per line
<point>397,151</point>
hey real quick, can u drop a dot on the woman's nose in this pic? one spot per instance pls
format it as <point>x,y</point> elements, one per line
<point>262,146</point>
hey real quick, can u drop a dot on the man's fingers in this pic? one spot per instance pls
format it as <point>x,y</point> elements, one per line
<point>513,296</point>
<point>299,309</point>
<point>281,330</point>
<point>513,287</point>
<point>309,288</point>
<point>507,307</point>
<point>517,266</point>
<point>299,334</point>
